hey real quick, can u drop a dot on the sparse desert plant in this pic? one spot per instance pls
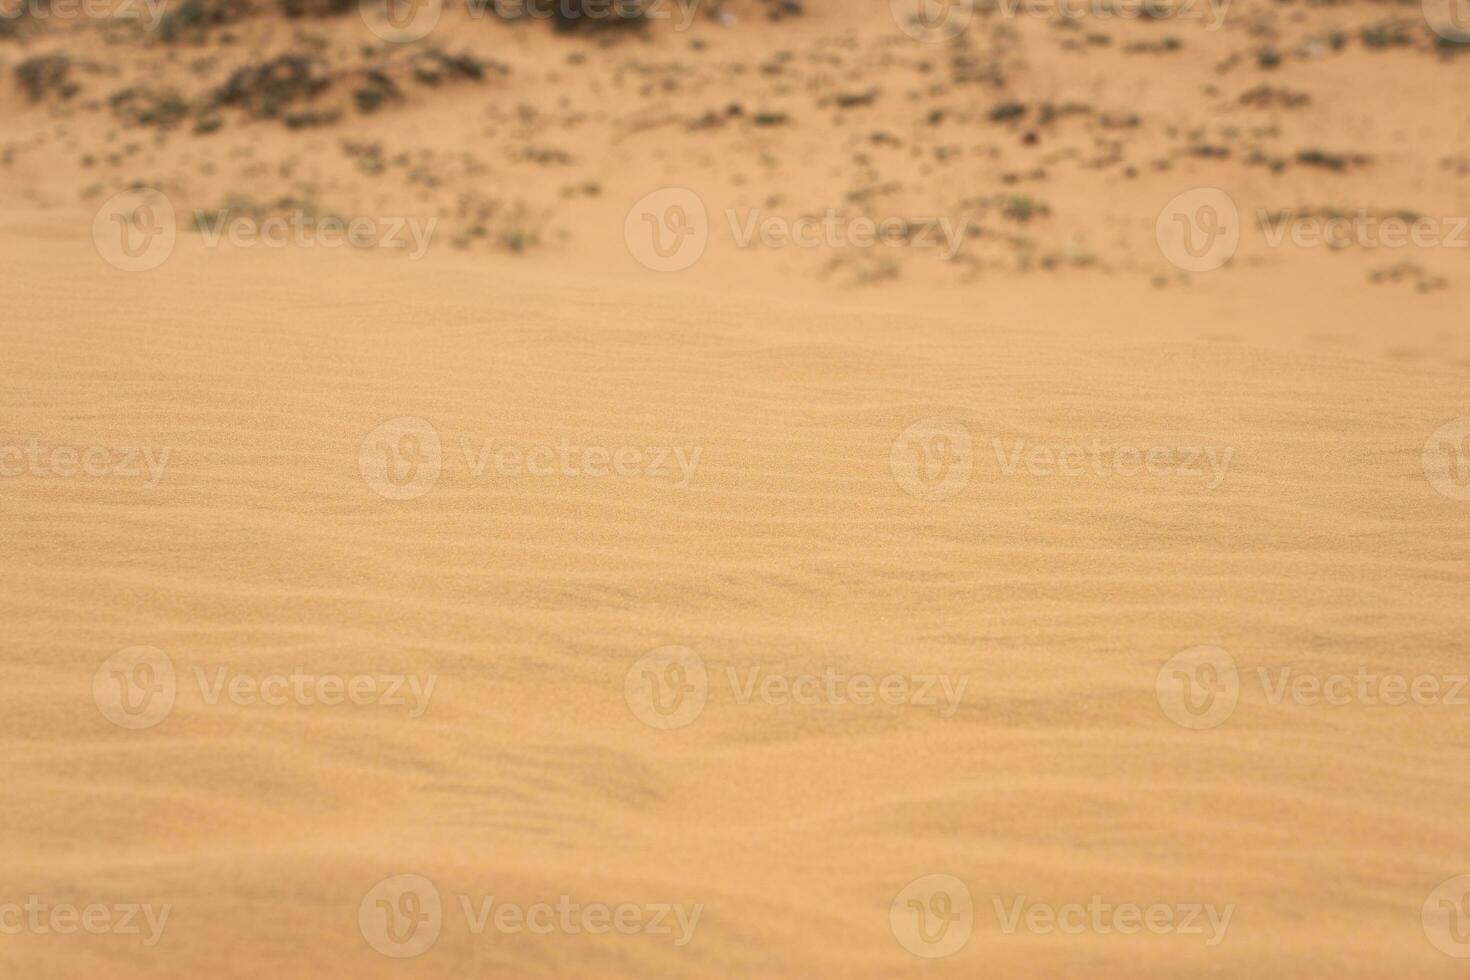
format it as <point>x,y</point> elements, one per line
<point>1329,161</point>
<point>1390,33</point>
<point>376,88</point>
<point>265,90</point>
<point>192,20</point>
<point>316,8</point>
<point>142,106</point>
<point>47,74</point>
<point>1007,111</point>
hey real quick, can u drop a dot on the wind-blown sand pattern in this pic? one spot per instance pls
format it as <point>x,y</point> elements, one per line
<point>1131,564</point>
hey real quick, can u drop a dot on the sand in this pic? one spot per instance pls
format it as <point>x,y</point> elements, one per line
<point>528,612</point>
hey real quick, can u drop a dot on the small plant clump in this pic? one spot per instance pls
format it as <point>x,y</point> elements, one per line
<point>267,89</point>
<point>47,74</point>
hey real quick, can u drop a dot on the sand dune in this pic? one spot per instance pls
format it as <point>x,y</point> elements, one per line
<point>791,551</point>
<point>523,611</point>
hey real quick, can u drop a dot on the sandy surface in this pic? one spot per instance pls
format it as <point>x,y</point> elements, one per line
<point>771,618</point>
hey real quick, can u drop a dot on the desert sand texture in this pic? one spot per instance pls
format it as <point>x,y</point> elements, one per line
<point>751,490</point>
